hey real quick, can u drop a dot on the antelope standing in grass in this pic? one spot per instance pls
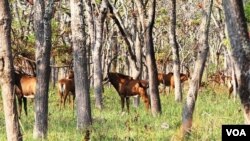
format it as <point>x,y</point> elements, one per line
<point>126,87</point>
<point>66,86</point>
<point>25,87</point>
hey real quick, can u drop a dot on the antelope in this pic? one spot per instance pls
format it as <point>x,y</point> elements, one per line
<point>126,87</point>
<point>65,87</point>
<point>25,87</point>
<point>221,78</point>
<point>183,78</point>
<point>165,78</point>
<point>217,78</point>
<point>168,79</point>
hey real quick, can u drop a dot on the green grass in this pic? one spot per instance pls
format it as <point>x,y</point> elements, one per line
<point>213,108</point>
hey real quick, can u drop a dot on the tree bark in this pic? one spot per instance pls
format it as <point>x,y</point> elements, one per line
<point>84,118</point>
<point>42,23</point>
<point>188,110</point>
<point>97,56</point>
<point>151,63</point>
<point>240,50</point>
<point>6,75</point>
<point>175,50</point>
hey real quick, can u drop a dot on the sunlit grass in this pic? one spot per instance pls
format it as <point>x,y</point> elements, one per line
<point>213,108</point>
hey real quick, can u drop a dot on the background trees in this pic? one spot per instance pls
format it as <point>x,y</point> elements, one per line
<point>136,31</point>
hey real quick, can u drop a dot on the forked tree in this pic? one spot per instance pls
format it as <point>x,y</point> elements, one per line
<point>189,106</point>
<point>84,118</point>
<point>6,75</point>
<point>148,24</point>
<point>240,50</point>
<point>42,24</point>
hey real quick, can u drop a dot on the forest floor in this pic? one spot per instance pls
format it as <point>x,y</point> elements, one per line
<point>213,109</point>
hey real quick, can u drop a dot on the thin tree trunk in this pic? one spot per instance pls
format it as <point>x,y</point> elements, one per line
<point>114,50</point>
<point>84,118</point>
<point>136,72</point>
<point>91,33</point>
<point>42,25</point>
<point>175,50</point>
<point>6,75</point>
<point>188,110</point>
<point>240,50</point>
<point>97,57</point>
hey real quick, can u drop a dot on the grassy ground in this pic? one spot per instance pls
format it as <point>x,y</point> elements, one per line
<point>213,109</point>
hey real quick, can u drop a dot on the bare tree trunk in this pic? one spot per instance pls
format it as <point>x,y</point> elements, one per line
<point>84,118</point>
<point>6,75</point>
<point>240,43</point>
<point>42,25</point>
<point>147,29</point>
<point>137,45</point>
<point>136,72</point>
<point>151,63</point>
<point>114,50</point>
<point>175,50</point>
<point>97,57</point>
<point>187,113</point>
<point>91,34</point>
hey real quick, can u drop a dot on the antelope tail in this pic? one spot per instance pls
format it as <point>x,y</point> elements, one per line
<point>62,87</point>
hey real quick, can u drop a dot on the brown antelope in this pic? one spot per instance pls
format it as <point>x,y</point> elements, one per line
<point>183,78</point>
<point>65,87</point>
<point>217,78</point>
<point>165,78</point>
<point>137,87</point>
<point>168,79</point>
<point>126,86</point>
<point>25,87</point>
<point>221,78</point>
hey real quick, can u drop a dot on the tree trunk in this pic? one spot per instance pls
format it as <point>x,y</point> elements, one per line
<point>187,113</point>
<point>151,63</point>
<point>91,40</point>
<point>42,26</point>
<point>175,50</point>
<point>136,72</point>
<point>84,118</point>
<point>114,50</point>
<point>6,75</point>
<point>97,57</point>
<point>240,43</point>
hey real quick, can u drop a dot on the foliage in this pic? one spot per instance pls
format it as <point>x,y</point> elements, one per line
<point>247,11</point>
<point>139,125</point>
